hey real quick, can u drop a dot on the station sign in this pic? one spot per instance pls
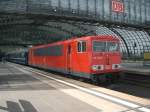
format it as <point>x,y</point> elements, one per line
<point>117,6</point>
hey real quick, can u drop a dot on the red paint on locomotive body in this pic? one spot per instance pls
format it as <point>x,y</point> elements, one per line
<point>83,56</point>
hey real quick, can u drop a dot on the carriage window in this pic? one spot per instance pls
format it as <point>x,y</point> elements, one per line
<point>56,50</point>
<point>81,46</point>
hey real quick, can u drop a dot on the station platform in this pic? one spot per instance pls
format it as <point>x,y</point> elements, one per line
<point>25,89</point>
<point>136,68</point>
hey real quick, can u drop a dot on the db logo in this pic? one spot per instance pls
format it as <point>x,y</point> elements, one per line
<point>117,6</point>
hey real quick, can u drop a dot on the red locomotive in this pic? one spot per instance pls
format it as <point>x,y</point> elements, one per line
<point>93,57</point>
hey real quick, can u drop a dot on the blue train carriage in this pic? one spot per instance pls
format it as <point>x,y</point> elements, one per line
<point>20,57</point>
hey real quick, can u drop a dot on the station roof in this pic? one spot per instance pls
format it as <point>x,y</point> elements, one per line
<point>26,24</point>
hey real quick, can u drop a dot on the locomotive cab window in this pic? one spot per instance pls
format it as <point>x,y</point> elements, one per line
<point>112,46</point>
<point>81,46</point>
<point>99,46</point>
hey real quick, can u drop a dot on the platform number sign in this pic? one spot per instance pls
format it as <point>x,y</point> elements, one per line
<point>117,6</point>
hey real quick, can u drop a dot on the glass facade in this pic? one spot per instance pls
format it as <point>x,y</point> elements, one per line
<point>133,42</point>
<point>135,12</point>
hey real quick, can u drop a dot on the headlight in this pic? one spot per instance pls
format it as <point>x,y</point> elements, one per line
<point>97,67</point>
<point>116,66</point>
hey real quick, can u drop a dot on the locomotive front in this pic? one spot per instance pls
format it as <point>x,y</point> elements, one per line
<point>106,57</point>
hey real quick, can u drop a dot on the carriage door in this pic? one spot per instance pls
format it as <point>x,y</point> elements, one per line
<point>69,58</point>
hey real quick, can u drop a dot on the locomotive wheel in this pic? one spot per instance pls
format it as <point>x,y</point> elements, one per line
<point>95,79</point>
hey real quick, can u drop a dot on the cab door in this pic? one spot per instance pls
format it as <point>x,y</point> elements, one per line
<point>30,58</point>
<point>69,51</point>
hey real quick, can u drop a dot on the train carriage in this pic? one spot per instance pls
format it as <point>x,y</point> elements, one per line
<point>20,57</point>
<point>93,57</point>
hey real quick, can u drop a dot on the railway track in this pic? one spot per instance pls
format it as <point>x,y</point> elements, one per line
<point>136,79</point>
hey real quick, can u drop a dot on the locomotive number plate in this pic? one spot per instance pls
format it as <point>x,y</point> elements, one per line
<point>107,67</point>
